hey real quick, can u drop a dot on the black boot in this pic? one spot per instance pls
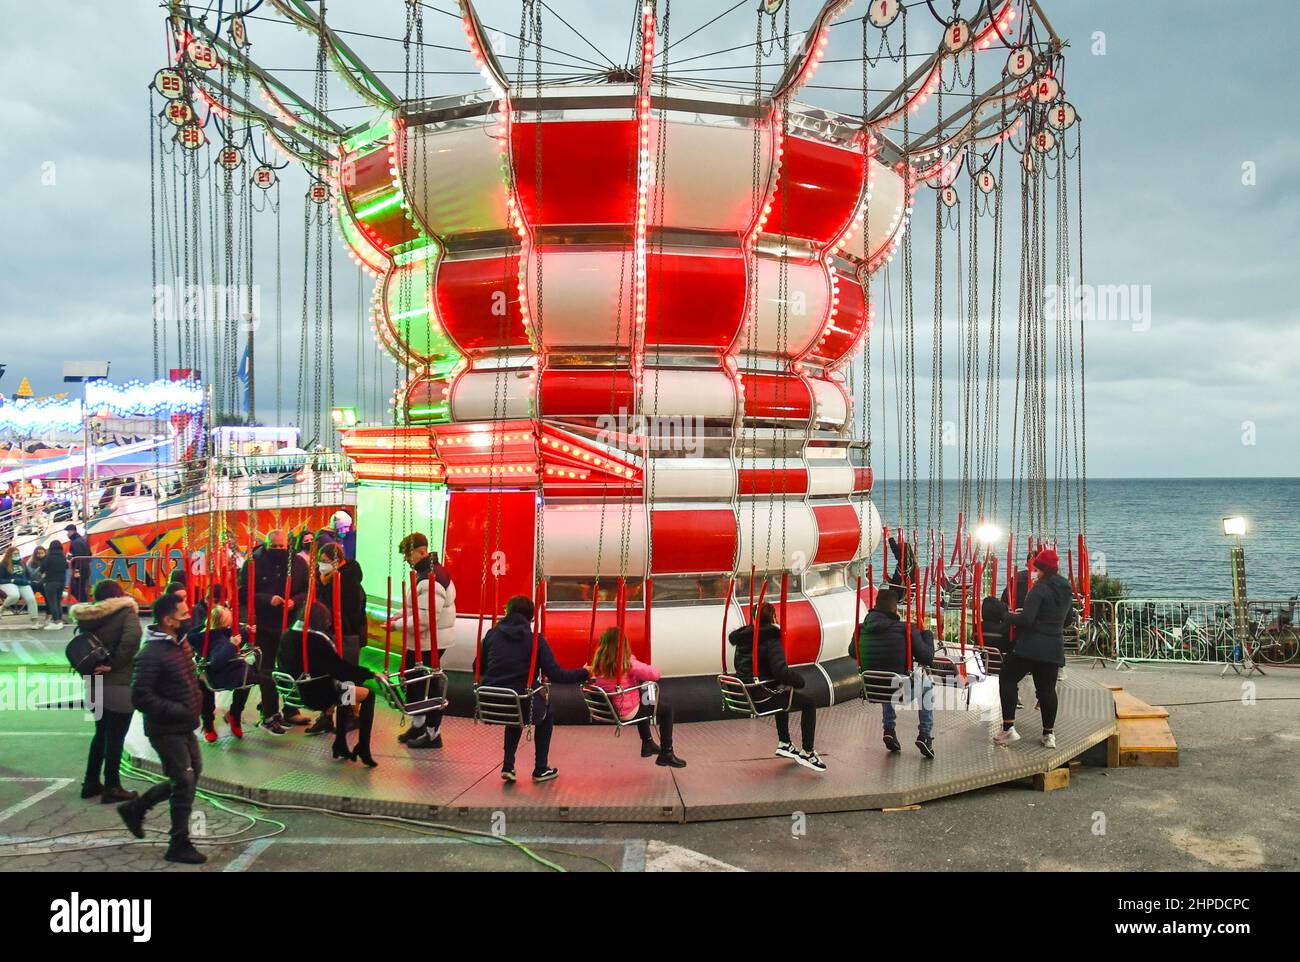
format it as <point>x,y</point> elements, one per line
<point>182,850</point>
<point>365,722</point>
<point>669,760</point>
<point>91,789</point>
<point>649,747</point>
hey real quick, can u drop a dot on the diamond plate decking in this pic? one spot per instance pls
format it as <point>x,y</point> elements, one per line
<point>731,773</point>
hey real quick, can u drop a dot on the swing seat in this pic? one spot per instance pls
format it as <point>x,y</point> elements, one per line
<point>204,667</point>
<point>755,698</point>
<point>991,657</point>
<point>313,692</point>
<point>505,706</point>
<point>602,710</point>
<point>880,687</point>
<point>944,671</point>
<point>417,691</point>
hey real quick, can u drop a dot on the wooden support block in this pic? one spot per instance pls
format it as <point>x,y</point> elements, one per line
<point>1149,759</point>
<point>1146,734</point>
<point>1051,781</point>
<point>1112,751</point>
<point>1127,706</point>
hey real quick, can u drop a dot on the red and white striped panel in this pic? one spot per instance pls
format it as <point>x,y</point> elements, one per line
<point>885,213</point>
<point>693,539</point>
<point>477,299</point>
<point>575,534</point>
<point>452,176</point>
<point>588,171</point>
<point>789,333</point>
<point>488,394</point>
<point>776,396</point>
<point>823,182</point>
<point>708,171</point>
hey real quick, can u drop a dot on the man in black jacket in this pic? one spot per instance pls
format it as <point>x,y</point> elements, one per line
<point>166,691</point>
<point>507,653</point>
<point>883,644</point>
<point>772,668</point>
<point>79,561</point>
<point>271,614</point>
<point>1040,647</point>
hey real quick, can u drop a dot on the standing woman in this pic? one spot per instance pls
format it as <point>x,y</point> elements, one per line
<point>435,602</point>
<point>1039,646</point>
<point>54,578</point>
<point>114,618</point>
<point>331,565</point>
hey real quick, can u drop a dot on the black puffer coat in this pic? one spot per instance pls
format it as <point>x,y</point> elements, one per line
<point>166,688</point>
<point>772,665</point>
<point>1047,609</point>
<point>884,638</point>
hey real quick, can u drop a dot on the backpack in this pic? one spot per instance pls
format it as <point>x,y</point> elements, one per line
<point>85,653</point>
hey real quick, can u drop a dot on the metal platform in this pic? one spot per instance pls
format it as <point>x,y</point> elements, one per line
<point>732,772</point>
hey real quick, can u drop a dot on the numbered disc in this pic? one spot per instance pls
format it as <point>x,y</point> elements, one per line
<point>191,137</point>
<point>986,182</point>
<point>1061,115</point>
<point>238,32</point>
<point>230,158</point>
<point>169,83</point>
<point>884,12</point>
<point>319,191</point>
<point>1028,162</point>
<point>1044,141</point>
<point>201,54</point>
<point>1020,61</point>
<point>956,36</point>
<point>1046,89</point>
<point>949,196</point>
<point>264,177</point>
<point>179,112</point>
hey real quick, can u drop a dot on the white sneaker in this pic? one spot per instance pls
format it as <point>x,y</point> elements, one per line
<point>1048,740</point>
<point>53,626</point>
<point>1005,738</point>
<point>786,750</point>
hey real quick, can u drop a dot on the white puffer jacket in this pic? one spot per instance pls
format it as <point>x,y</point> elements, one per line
<point>444,616</point>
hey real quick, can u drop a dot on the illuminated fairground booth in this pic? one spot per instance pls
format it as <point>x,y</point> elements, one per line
<point>627,309</point>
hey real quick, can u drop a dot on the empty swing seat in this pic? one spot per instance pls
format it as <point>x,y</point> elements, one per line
<point>756,698</point>
<point>944,671</point>
<point>602,710</point>
<point>417,691</point>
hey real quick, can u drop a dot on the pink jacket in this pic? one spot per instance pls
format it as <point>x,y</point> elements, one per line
<point>628,703</point>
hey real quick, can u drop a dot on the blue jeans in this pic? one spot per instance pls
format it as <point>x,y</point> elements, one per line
<point>926,725</point>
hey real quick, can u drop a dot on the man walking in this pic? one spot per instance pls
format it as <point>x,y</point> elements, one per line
<point>166,691</point>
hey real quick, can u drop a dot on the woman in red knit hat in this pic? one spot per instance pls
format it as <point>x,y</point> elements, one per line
<point>1039,646</point>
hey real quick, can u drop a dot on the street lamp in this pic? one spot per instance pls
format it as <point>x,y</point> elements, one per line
<point>1235,527</point>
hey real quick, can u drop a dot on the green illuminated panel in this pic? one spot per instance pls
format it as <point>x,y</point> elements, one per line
<point>387,512</point>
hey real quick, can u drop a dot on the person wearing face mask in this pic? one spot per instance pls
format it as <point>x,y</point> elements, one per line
<point>345,533</point>
<point>435,599</point>
<point>273,566</point>
<point>307,546</point>
<point>332,565</point>
<point>1045,610</point>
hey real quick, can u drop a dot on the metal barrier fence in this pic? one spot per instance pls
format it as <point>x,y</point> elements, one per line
<point>1177,630</point>
<point>1196,631</point>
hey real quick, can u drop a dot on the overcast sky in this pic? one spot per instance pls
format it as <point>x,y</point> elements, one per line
<point>1184,95</point>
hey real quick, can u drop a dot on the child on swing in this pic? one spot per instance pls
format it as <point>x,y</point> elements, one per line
<point>611,674</point>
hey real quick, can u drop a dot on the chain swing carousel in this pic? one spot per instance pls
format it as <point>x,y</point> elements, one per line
<point>631,305</point>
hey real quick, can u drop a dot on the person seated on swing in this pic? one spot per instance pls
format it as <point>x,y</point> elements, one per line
<point>331,564</point>
<point>777,676</point>
<point>881,644</point>
<point>323,660</point>
<point>227,671</point>
<point>904,567</point>
<point>629,703</point>
<point>995,624</point>
<point>507,654</point>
